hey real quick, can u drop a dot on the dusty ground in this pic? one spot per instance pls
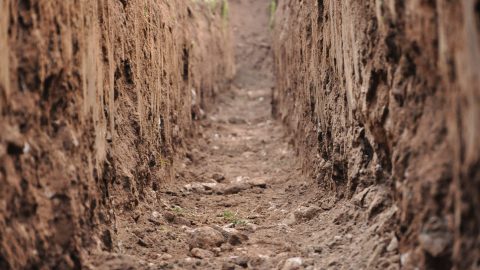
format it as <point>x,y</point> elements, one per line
<point>240,200</point>
<point>276,213</point>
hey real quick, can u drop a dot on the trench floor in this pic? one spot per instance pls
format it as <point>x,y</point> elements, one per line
<point>241,178</point>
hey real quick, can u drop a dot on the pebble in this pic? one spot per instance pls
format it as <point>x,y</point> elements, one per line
<point>393,244</point>
<point>166,256</point>
<point>235,188</point>
<point>306,213</point>
<point>251,227</point>
<point>293,263</point>
<point>258,182</point>
<point>201,253</point>
<point>236,120</point>
<point>233,236</point>
<point>240,260</point>
<point>218,177</point>
<point>194,187</point>
<point>434,243</point>
<point>206,237</point>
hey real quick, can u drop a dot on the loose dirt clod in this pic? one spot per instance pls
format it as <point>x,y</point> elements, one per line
<point>205,238</point>
<point>201,253</point>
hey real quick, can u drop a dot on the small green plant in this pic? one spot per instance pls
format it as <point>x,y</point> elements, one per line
<point>212,3</point>
<point>163,162</point>
<point>177,209</point>
<point>273,9</point>
<point>231,217</point>
<point>225,10</point>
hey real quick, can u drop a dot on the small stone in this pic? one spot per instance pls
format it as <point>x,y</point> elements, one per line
<point>306,213</point>
<point>142,243</point>
<point>233,236</point>
<point>235,188</point>
<point>206,237</point>
<point>218,177</point>
<point>228,266</point>
<point>293,263</point>
<point>251,227</point>
<point>290,220</point>
<point>435,243</point>
<point>235,120</point>
<point>209,186</point>
<point>258,182</point>
<point>166,256</point>
<point>201,253</point>
<point>405,259</point>
<point>393,244</point>
<point>194,187</point>
<point>170,217</point>
<point>240,260</point>
<point>317,249</point>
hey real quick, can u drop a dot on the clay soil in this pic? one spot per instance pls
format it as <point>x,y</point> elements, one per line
<point>241,178</point>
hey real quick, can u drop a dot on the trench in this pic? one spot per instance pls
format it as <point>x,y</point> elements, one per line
<point>239,134</point>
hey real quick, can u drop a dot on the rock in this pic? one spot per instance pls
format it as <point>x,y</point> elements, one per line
<point>201,253</point>
<point>143,243</point>
<point>405,259</point>
<point>235,120</point>
<point>206,237</point>
<point>155,214</point>
<point>218,177</point>
<point>293,264</point>
<point>194,187</point>
<point>228,266</point>
<point>435,243</point>
<point>317,249</point>
<point>233,236</point>
<point>379,202</point>
<point>393,244</point>
<point>166,256</point>
<point>235,188</point>
<point>172,218</point>
<point>258,182</point>
<point>290,220</point>
<point>250,227</point>
<point>306,213</point>
<point>240,260</point>
<point>209,186</point>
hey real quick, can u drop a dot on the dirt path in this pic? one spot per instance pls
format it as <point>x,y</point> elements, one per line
<point>240,199</point>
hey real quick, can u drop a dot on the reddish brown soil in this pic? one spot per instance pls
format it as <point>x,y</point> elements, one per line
<point>241,142</point>
<point>96,99</point>
<point>129,142</point>
<point>387,93</point>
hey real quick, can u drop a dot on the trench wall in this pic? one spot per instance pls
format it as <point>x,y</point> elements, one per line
<point>386,92</point>
<point>96,99</point>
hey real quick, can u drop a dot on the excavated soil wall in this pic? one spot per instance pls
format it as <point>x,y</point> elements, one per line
<point>96,99</point>
<point>387,93</point>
